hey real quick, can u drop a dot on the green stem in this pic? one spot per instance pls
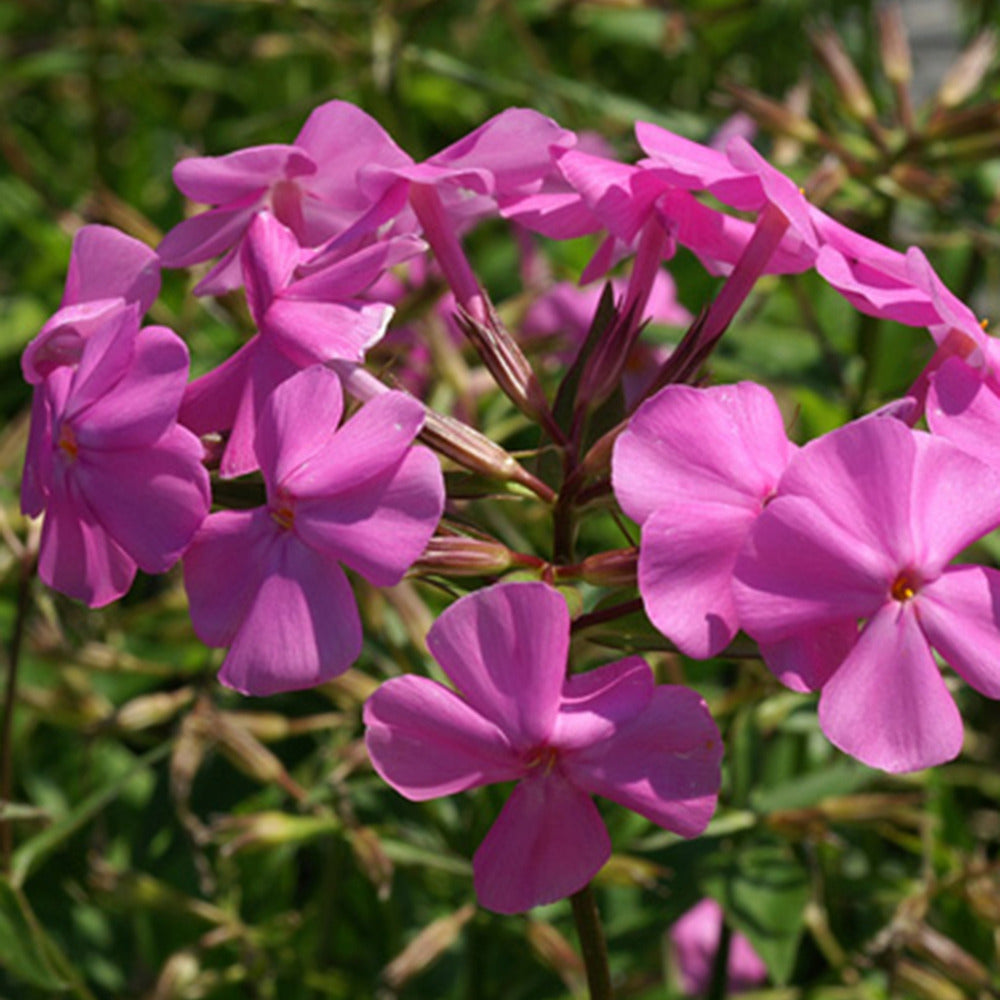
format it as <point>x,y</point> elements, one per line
<point>718,987</point>
<point>592,943</point>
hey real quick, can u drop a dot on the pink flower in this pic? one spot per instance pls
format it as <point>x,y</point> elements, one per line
<point>866,521</point>
<point>268,582</point>
<point>516,716</point>
<point>695,939</point>
<point>311,186</point>
<point>108,272</point>
<point>695,468</point>
<point>120,482</point>
<point>301,322</point>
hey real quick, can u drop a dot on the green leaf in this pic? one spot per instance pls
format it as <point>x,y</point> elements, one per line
<point>26,951</point>
<point>764,889</point>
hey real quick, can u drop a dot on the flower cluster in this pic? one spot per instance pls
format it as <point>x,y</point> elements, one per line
<point>835,557</point>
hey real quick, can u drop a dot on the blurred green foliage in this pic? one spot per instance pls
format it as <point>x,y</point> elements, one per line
<point>170,839</point>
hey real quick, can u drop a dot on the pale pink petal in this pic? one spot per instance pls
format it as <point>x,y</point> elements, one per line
<point>425,741</point>
<point>301,627</point>
<point>139,408</point>
<point>218,180</point>
<point>686,561</point>
<point>298,420</point>
<point>370,444</point>
<point>965,409</point>
<point>77,556</point>
<point>380,527</point>
<point>548,842</point>
<point>960,615</point>
<point>105,264</point>
<point>211,402</point>
<point>887,705</point>
<point>151,499</point>
<point>597,703</point>
<point>664,764</point>
<point>505,650</point>
<point>726,444</point>
<point>805,661</point>
<point>234,546</point>
<point>800,570</point>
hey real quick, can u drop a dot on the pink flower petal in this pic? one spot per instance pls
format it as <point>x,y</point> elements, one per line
<point>597,703</point>
<point>219,180</point>
<point>887,704</point>
<point>301,627</point>
<point>105,263</point>
<point>960,615</point>
<point>316,332</point>
<point>269,253</point>
<point>725,445</point>
<point>964,408</point>
<point>505,650</point>
<point>232,545</point>
<point>380,527</point>
<point>664,764</point>
<point>547,843</point>
<point>150,499</point>
<point>206,235</point>
<point>686,561</point>
<point>77,556</point>
<point>425,741</point>
<point>806,661</point>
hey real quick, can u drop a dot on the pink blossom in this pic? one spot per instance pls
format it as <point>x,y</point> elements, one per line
<point>311,186</point>
<point>301,320</point>
<point>866,521</point>
<point>108,272</point>
<point>121,484</point>
<point>268,582</point>
<point>516,716</point>
<point>695,468</point>
<point>695,939</point>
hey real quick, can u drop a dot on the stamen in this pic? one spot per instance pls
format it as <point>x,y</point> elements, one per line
<point>67,442</point>
<point>904,587</point>
<point>544,757</point>
<point>283,513</point>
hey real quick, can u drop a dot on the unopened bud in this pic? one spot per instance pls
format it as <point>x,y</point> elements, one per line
<point>775,116</point>
<point>968,71</point>
<point>459,555</point>
<point>844,73</point>
<point>609,569</point>
<point>552,947</point>
<point>428,946</point>
<point>372,859</point>
<point>151,710</point>
<point>264,830</point>
<point>251,757</point>
<point>894,48</point>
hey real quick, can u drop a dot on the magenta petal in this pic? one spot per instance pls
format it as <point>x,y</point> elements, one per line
<point>664,764</point>
<point>425,741</point>
<point>316,332</point>
<point>233,546</point>
<point>505,650</point>
<point>210,403</point>
<point>269,254</point>
<point>150,499</point>
<point>299,419</point>
<point>799,570</point>
<point>547,843</point>
<point>381,526</point>
<point>369,445</point>
<point>806,661</point>
<point>105,263</point>
<point>960,615</point>
<point>595,704</point>
<point>686,563</point>
<point>887,705</point>
<point>143,404</point>
<point>301,627</point>
<point>206,235</point>
<point>218,180</point>
<point>965,409</point>
<point>725,445</point>
<point>77,556</point>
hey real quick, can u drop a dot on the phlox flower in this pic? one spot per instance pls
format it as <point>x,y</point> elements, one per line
<point>121,484</point>
<point>515,716</point>
<point>301,321</point>
<point>108,272</point>
<point>268,582</point>
<point>695,940</point>
<point>311,186</point>
<point>867,519</point>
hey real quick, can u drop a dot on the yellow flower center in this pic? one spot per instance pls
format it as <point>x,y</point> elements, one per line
<point>904,587</point>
